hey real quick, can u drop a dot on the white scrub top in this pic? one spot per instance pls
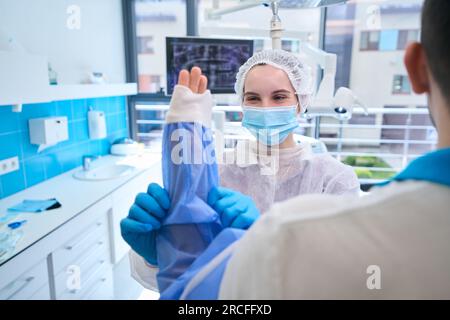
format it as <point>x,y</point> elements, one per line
<point>391,244</point>
<point>298,172</point>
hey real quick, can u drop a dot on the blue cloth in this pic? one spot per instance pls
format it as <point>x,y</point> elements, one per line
<point>35,205</point>
<point>189,172</point>
<point>433,167</point>
<point>271,126</point>
<point>209,287</point>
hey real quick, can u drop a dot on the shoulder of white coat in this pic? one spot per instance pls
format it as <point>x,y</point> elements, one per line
<point>290,233</point>
<point>314,207</point>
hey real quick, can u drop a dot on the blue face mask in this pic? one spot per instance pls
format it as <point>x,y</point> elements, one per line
<point>271,126</point>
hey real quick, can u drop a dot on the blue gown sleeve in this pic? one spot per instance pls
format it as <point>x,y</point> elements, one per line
<point>192,284</point>
<point>189,172</point>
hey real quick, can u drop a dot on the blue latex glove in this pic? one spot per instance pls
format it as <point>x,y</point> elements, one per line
<point>144,219</point>
<point>235,209</point>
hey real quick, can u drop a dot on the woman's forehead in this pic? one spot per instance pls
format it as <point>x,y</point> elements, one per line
<point>267,78</point>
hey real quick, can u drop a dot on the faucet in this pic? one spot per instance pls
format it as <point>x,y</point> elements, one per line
<point>87,160</point>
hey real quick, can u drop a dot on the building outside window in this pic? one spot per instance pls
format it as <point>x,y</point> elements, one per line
<point>401,85</point>
<point>369,38</point>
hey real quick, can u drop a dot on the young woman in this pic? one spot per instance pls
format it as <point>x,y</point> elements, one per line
<point>274,87</point>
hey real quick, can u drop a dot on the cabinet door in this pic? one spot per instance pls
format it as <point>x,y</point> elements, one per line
<point>122,200</point>
<point>102,288</point>
<point>42,294</point>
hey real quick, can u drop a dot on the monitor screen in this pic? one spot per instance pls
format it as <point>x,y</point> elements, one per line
<point>219,60</point>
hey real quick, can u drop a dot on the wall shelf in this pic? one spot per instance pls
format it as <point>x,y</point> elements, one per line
<point>84,91</point>
<point>71,92</point>
<point>24,80</point>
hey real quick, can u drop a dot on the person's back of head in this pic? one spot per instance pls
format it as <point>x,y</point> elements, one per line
<point>428,64</point>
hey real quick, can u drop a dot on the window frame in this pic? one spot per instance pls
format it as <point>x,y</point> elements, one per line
<point>131,61</point>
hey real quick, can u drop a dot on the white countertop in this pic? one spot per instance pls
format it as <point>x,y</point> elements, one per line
<point>74,195</point>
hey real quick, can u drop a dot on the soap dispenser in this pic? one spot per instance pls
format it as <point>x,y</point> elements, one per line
<point>97,124</point>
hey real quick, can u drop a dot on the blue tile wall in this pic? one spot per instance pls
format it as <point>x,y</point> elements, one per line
<point>37,167</point>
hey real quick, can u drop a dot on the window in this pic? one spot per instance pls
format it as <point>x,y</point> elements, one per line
<point>146,45</point>
<point>388,40</point>
<point>401,85</point>
<point>397,128</point>
<point>147,24</point>
<point>155,20</point>
<point>405,37</point>
<point>370,40</point>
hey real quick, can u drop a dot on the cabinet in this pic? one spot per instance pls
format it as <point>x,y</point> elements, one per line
<point>77,259</point>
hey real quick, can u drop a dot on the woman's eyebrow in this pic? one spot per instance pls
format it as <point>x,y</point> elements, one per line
<point>251,94</point>
<point>281,91</point>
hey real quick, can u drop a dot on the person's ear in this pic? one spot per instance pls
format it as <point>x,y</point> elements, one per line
<point>417,67</point>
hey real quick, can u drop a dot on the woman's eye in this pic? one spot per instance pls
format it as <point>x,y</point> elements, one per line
<point>252,98</point>
<point>279,98</point>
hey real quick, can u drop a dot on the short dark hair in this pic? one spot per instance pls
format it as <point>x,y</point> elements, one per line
<point>436,41</point>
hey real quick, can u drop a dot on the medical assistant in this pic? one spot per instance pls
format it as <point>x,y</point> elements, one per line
<point>298,171</point>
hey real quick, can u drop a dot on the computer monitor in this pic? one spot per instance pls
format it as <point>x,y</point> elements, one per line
<point>219,60</point>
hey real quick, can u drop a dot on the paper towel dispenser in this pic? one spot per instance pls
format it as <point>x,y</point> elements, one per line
<point>49,131</point>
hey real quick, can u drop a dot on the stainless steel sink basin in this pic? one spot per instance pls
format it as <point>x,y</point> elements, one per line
<point>104,173</point>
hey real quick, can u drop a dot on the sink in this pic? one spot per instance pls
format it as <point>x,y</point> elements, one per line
<point>104,173</point>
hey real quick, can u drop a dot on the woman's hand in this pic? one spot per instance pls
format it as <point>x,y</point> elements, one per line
<point>144,220</point>
<point>235,209</point>
<point>193,80</point>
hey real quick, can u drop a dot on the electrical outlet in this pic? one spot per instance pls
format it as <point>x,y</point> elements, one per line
<point>9,165</point>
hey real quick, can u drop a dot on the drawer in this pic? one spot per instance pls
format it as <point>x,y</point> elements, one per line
<point>102,289</point>
<point>27,284</point>
<point>42,294</point>
<point>71,251</point>
<point>95,257</point>
<point>100,275</point>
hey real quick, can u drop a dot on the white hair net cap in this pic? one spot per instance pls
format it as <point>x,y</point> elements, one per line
<point>298,73</point>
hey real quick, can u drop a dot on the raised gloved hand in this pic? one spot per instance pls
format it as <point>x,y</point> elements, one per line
<point>144,219</point>
<point>235,209</point>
